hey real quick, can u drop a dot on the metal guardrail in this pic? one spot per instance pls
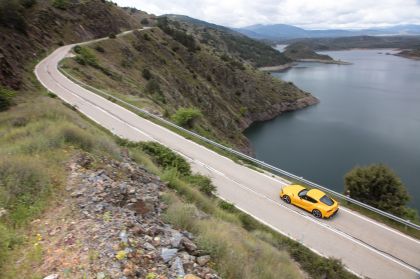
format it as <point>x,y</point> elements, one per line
<point>249,158</point>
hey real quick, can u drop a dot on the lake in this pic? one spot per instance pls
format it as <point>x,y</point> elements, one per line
<point>369,112</point>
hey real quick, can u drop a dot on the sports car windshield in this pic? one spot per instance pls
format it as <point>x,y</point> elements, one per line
<point>325,199</point>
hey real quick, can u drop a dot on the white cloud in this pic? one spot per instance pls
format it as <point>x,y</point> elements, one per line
<point>304,13</point>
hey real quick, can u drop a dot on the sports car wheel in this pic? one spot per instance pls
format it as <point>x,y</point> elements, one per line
<point>317,213</point>
<point>286,198</point>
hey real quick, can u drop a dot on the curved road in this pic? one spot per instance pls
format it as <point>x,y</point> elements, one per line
<point>366,247</point>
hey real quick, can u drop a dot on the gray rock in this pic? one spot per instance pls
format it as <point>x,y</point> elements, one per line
<point>176,239</point>
<point>188,244</point>
<point>52,276</point>
<point>149,246</point>
<point>168,254</point>
<point>123,236</point>
<point>77,194</point>
<point>178,268</point>
<point>203,260</point>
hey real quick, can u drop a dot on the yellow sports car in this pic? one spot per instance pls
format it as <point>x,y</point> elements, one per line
<point>314,200</point>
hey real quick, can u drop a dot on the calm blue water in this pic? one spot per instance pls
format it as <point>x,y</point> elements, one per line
<point>369,113</point>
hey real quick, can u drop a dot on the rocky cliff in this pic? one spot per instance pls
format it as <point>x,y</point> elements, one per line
<point>30,28</point>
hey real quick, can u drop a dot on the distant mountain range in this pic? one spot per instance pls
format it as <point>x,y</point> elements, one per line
<point>284,31</point>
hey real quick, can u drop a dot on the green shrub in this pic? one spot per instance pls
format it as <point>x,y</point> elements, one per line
<point>86,57</point>
<point>146,74</point>
<point>144,21</point>
<point>146,37</point>
<point>203,183</point>
<point>77,137</point>
<point>28,3</point>
<point>165,157</point>
<point>112,36</point>
<point>23,184</point>
<point>61,4</point>
<point>186,117</point>
<point>99,49</point>
<point>152,87</point>
<point>380,187</point>
<point>6,97</point>
<point>229,207</point>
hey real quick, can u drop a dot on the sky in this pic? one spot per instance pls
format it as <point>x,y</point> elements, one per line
<point>310,14</point>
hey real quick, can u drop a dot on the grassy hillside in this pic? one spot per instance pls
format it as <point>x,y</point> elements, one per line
<point>169,71</point>
<point>30,28</point>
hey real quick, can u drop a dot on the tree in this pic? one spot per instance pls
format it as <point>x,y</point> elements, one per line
<point>379,186</point>
<point>186,117</point>
<point>5,98</point>
<point>146,74</point>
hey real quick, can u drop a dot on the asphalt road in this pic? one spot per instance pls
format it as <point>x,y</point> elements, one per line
<point>366,247</point>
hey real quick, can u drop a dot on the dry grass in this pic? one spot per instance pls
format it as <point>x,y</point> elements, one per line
<point>236,252</point>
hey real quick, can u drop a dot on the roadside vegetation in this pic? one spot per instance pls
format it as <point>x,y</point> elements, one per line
<point>37,139</point>
<point>380,187</point>
<point>240,246</point>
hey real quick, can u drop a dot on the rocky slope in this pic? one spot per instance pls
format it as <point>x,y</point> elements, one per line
<point>226,40</point>
<point>231,94</point>
<point>30,28</point>
<point>111,226</point>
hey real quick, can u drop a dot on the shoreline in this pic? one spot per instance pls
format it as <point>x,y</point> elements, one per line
<point>337,62</point>
<point>278,68</point>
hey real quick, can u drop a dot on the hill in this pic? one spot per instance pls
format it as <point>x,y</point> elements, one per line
<point>29,28</point>
<point>284,31</point>
<point>300,50</point>
<point>225,40</point>
<point>402,42</point>
<point>167,69</point>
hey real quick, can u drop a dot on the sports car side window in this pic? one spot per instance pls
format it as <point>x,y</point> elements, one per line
<point>311,199</point>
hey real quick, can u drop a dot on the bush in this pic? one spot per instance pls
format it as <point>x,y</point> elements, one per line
<point>379,186</point>
<point>203,183</point>
<point>146,74</point>
<point>99,49</point>
<point>152,87</point>
<point>180,36</point>
<point>112,36</point>
<point>146,37</point>
<point>85,57</point>
<point>28,3</point>
<point>229,207</point>
<point>186,117</point>
<point>11,15</point>
<point>166,158</point>
<point>6,97</point>
<point>77,137</point>
<point>144,21</point>
<point>23,183</point>
<point>61,4</point>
